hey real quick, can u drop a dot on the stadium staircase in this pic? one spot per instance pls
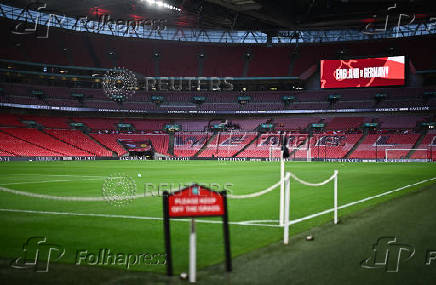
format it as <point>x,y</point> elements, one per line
<point>205,145</point>
<point>362,139</point>
<point>247,145</point>
<point>65,142</point>
<point>171,144</point>
<point>416,145</point>
<point>114,153</point>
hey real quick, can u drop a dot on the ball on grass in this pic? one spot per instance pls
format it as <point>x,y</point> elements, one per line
<point>139,175</point>
<point>309,238</point>
<point>183,275</point>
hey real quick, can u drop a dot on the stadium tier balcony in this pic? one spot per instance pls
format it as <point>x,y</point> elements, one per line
<point>294,123</point>
<point>399,122</point>
<point>191,125</point>
<point>148,125</point>
<point>217,101</point>
<point>344,123</point>
<point>48,122</point>
<point>10,120</point>
<point>98,123</point>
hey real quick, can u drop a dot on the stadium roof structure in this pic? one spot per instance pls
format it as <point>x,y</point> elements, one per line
<point>241,21</point>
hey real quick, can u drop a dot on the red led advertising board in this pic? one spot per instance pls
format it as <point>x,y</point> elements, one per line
<point>368,72</point>
<point>195,201</point>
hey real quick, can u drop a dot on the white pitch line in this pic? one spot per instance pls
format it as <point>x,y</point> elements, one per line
<point>46,181</point>
<point>125,217</point>
<point>358,202</point>
<point>346,205</point>
<point>241,223</point>
<point>58,175</point>
<point>31,182</point>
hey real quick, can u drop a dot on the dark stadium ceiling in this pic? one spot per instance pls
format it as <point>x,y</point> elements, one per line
<point>263,15</point>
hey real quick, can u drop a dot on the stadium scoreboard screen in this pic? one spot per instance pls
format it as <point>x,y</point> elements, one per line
<point>367,72</point>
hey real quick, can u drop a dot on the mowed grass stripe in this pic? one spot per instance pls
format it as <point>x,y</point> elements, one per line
<point>356,181</point>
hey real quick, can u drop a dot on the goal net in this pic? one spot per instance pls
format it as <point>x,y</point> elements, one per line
<point>301,153</point>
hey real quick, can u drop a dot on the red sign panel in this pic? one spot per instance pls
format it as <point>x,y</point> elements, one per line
<point>368,72</point>
<point>195,201</point>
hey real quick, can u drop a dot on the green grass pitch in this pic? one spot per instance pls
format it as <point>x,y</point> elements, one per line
<point>122,234</point>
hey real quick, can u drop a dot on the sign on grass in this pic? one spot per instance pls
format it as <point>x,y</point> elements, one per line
<point>195,201</point>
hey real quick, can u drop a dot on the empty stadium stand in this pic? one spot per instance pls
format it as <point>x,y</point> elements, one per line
<point>374,146</point>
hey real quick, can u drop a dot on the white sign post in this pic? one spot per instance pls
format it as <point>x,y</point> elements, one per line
<point>192,253</point>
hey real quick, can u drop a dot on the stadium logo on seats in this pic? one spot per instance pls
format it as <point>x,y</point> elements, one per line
<point>119,84</point>
<point>37,255</point>
<point>388,254</point>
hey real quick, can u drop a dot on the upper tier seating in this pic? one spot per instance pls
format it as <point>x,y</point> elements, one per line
<point>219,101</point>
<point>68,48</point>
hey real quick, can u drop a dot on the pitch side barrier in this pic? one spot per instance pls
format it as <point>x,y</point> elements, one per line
<point>82,158</point>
